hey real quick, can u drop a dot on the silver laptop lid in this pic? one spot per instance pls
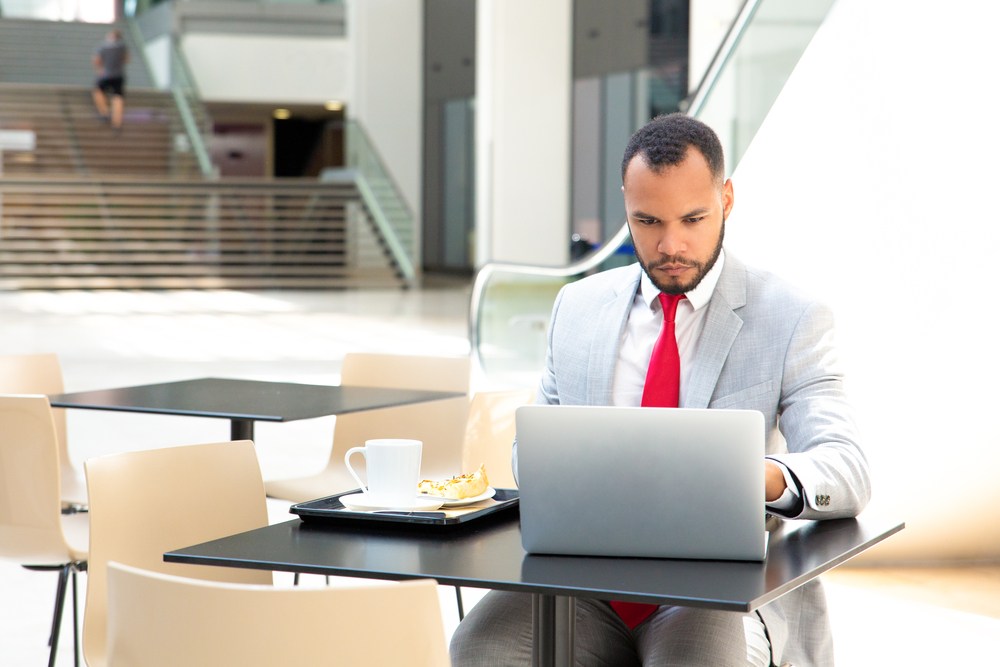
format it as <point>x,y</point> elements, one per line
<point>652,482</point>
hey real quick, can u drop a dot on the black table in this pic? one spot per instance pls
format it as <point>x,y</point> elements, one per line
<point>490,556</point>
<point>244,402</point>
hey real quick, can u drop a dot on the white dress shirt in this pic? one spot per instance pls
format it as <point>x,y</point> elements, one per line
<point>645,320</point>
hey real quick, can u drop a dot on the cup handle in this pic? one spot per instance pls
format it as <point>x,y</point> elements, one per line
<point>347,462</point>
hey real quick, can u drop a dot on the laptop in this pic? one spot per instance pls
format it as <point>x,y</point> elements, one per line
<point>641,482</point>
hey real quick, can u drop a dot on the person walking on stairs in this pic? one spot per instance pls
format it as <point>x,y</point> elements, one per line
<point>109,90</point>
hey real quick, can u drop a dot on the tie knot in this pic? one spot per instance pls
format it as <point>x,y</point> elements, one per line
<point>669,303</point>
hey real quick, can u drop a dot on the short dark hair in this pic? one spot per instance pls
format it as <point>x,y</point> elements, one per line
<point>664,141</point>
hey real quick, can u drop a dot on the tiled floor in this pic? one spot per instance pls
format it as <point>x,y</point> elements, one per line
<point>898,616</point>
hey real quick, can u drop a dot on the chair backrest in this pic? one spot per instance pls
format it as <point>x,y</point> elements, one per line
<point>37,374</point>
<point>439,424</point>
<point>34,374</point>
<point>157,620</point>
<point>30,524</point>
<point>490,431</point>
<point>144,503</point>
<point>401,371</point>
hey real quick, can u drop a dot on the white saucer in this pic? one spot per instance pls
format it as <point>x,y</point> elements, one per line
<point>361,502</point>
<point>451,502</point>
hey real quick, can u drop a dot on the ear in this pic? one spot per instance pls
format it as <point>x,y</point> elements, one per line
<point>727,197</point>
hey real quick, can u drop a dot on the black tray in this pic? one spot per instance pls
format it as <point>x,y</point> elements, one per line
<point>331,510</point>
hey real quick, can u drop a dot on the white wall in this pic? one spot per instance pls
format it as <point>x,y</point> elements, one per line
<point>523,119</point>
<point>387,96</point>
<point>870,184</point>
<point>265,68</point>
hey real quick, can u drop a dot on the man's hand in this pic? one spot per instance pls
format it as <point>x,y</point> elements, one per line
<point>774,481</point>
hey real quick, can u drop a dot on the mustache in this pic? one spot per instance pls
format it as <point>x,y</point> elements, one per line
<point>673,261</point>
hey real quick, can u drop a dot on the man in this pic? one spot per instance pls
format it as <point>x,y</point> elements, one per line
<point>109,90</point>
<point>745,340</point>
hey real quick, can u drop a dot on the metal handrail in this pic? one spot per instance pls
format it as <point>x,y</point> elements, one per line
<point>208,170</point>
<point>609,247</point>
<point>693,105</point>
<point>179,64</point>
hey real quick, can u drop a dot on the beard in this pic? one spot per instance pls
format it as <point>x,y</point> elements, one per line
<point>702,268</point>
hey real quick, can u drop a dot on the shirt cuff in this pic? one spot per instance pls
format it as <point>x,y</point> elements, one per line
<point>788,500</point>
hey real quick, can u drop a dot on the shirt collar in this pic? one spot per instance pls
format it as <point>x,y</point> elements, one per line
<point>698,297</point>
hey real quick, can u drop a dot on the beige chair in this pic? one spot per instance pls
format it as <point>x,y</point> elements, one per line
<point>489,434</point>
<point>158,620</point>
<point>145,503</point>
<point>33,530</point>
<point>439,424</point>
<point>42,374</point>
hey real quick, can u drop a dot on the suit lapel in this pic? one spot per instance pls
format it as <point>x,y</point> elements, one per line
<point>722,325</point>
<point>606,339</point>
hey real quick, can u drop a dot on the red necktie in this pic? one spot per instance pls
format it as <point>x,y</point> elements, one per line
<point>663,377</point>
<point>661,390</point>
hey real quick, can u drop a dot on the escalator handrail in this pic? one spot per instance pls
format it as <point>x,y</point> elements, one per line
<point>588,263</point>
<point>695,102</point>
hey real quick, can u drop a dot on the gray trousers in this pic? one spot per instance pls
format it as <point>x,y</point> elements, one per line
<point>497,632</point>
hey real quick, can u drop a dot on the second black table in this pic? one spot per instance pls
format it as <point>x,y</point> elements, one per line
<point>244,402</point>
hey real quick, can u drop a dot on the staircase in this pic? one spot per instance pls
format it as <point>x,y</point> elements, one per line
<point>90,208</point>
<point>71,139</point>
<point>120,233</point>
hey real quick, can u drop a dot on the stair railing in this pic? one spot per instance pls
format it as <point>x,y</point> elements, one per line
<point>383,200</point>
<point>186,98</point>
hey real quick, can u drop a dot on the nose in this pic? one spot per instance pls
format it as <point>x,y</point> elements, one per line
<point>671,241</point>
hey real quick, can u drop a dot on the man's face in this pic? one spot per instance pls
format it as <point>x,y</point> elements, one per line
<point>677,219</point>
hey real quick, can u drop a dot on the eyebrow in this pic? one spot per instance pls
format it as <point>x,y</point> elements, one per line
<point>696,212</point>
<point>690,214</point>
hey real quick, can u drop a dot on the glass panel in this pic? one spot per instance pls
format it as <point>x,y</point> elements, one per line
<point>383,200</point>
<point>757,70</point>
<point>194,117</point>
<point>513,323</point>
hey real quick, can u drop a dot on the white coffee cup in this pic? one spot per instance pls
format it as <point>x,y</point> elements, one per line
<point>393,470</point>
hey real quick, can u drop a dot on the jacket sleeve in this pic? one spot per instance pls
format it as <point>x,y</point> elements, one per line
<point>824,453</point>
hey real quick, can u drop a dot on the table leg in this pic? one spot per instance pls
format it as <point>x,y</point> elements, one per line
<point>554,626</point>
<point>241,429</point>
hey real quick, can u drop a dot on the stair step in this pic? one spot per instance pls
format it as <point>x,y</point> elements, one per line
<point>78,233</point>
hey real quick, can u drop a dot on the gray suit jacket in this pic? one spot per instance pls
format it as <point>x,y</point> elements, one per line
<point>764,347</point>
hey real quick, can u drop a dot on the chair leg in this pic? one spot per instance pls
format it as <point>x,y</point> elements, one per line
<point>76,624</point>
<point>60,595</point>
<point>64,573</point>
<point>458,599</point>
